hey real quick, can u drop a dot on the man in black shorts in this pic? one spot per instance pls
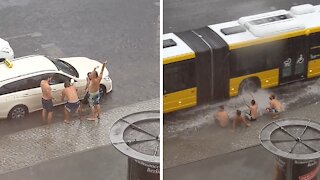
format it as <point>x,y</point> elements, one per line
<point>73,103</point>
<point>47,98</point>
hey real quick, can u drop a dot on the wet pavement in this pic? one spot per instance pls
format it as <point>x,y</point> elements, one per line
<point>182,15</point>
<point>125,32</point>
<point>192,135</point>
<point>248,164</point>
<point>59,140</point>
<point>103,163</point>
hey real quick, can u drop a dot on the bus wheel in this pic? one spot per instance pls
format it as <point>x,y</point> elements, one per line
<point>249,85</point>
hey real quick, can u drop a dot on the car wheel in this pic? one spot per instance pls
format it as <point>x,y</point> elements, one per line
<point>18,112</point>
<point>102,90</point>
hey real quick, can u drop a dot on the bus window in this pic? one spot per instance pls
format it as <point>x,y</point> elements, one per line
<point>314,40</point>
<point>178,76</point>
<point>275,52</point>
<point>247,61</point>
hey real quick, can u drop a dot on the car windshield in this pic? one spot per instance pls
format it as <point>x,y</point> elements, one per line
<point>64,66</point>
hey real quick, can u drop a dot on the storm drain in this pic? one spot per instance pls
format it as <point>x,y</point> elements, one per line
<point>138,137</point>
<point>295,142</point>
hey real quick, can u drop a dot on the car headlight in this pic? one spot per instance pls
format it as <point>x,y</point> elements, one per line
<point>6,50</point>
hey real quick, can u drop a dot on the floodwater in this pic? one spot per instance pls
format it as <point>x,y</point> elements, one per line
<point>292,96</point>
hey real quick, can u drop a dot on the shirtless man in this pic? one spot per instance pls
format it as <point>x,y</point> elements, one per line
<point>275,106</point>
<point>47,98</point>
<point>94,95</point>
<point>85,99</point>
<point>238,119</point>
<point>222,117</point>
<point>73,103</point>
<point>252,116</point>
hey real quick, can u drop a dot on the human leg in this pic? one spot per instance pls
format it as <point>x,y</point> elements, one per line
<point>44,114</point>
<point>50,110</point>
<point>66,115</point>
<point>98,110</point>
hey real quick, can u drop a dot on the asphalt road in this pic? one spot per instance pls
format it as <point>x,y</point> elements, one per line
<point>125,32</point>
<point>190,135</point>
<point>182,15</point>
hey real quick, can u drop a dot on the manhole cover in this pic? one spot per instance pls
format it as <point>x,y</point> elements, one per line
<point>137,136</point>
<point>292,138</point>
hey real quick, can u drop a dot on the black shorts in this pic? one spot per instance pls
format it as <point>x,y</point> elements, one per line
<point>72,107</point>
<point>47,105</point>
<point>85,99</point>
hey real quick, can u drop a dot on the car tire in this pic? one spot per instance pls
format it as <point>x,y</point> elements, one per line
<point>18,112</point>
<point>102,90</point>
<point>250,85</point>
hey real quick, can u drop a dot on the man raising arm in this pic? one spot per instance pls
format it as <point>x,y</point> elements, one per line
<point>94,95</point>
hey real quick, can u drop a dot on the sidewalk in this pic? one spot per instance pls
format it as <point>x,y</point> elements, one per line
<point>248,164</point>
<point>103,163</point>
<point>33,146</point>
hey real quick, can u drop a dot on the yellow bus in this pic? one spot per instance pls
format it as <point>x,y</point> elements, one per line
<point>226,59</point>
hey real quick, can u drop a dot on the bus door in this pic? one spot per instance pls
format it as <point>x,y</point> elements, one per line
<point>179,85</point>
<point>293,66</point>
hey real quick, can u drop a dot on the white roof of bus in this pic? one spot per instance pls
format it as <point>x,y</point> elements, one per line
<point>306,18</point>
<point>25,65</point>
<point>180,48</point>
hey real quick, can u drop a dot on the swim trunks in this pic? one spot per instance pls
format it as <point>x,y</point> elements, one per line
<point>47,104</point>
<point>72,107</point>
<point>94,98</point>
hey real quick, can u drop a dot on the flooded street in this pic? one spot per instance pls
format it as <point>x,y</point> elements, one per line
<point>293,96</point>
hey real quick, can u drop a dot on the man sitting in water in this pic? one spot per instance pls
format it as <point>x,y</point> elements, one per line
<point>253,114</point>
<point>222,117</point>
<point>238,119</point>
<point>275,106</point>
<point>73,103</point>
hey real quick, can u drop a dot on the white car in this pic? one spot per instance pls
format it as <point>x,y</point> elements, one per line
<point>20,91</point>
<point>5,50</point>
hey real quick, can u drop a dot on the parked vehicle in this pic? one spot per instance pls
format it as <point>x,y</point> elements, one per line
<point>20,91</point>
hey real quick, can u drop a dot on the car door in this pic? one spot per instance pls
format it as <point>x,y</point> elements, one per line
<point>8,97</point>
<point>33,92</point>
<point>80,85</point>
<point>57,85</point>
<point>20,94</point>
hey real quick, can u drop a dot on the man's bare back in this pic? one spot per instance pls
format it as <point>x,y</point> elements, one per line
<point>46,90</point>
<point>275,104</point>
<point>71,94</point>
<point>223,118</point>
<point>254,111</point>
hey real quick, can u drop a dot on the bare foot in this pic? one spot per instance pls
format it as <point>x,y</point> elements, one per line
<point>91,119</point>
<point>67,122</point>
<point>275,116</point>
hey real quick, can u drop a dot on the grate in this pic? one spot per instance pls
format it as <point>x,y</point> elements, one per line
<point>292,138</point>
